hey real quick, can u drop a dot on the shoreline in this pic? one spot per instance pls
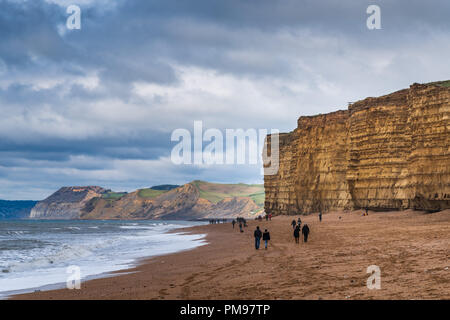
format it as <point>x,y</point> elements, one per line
<point>410,247</point>
<point>117,268</point>
<point>48,294</point>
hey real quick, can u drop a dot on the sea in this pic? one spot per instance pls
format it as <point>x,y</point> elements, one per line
<point>47,254</point>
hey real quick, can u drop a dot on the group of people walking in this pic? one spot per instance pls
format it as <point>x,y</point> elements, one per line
<point>297,226</point>
<point>217,221</point>
<point>258,234</point>
<point>265,236</point>
<point>242,223</point>
<point>268,217</point>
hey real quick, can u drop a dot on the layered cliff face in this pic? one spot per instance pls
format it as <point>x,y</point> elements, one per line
<point>66,203</point>
<point>379,145</point>
<point>428,177</point>
<point>313,167</point>
<point>391,152</point>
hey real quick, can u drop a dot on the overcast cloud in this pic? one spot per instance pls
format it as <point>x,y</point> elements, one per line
<point>97,106</point>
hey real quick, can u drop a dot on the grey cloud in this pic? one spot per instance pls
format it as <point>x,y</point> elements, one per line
<point>271,61</point>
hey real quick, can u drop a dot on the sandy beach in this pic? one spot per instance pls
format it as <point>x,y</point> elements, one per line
<point>411,248</point>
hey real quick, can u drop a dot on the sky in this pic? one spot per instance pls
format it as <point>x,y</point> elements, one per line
<point>97,105</point>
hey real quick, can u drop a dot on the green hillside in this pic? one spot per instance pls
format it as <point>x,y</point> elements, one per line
<point>213,192</point>
<point>165,187</point>
<point>216,192</point>
<point>150,193</point>
<point>441,83</point>
<point>113,195</point>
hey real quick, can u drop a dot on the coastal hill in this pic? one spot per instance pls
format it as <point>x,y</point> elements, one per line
<point>194,200</point>
<point>385,153</point>
<point>66,203</point>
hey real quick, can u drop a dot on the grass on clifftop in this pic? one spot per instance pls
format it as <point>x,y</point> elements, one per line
<point>216,192</point>
<point>258,198</point>
<point>445,84</point>
<point>150,193</point>
<point>113,195</point>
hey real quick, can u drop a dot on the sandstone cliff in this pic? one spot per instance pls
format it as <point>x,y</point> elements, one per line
<point>390,152</point>
<point>66,203</point>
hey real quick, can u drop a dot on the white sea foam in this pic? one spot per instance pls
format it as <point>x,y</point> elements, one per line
<point>136,227</point>
<point>103,247</point>
<point>16,232</point>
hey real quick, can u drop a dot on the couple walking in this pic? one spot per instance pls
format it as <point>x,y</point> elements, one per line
<point>305,232</point>
<point>258,235</point>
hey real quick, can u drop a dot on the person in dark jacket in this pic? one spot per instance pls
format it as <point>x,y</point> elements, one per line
<point>297,234</point>
<point>320,216</point>
<point>240,227</point>
<point>305,232</point>
<point>293,223</point>
<point>258,235</point>
<point>233,223</point>
<point>299,222</point>
<point>266,238</point>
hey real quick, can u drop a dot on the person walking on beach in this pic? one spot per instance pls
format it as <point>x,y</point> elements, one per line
<point>299,222</point>
<point>320,216</point>
<point>270,217</point>
<point>257,234</point>
<point>233,223</point>
<point>305,232</point>
<point>293,223</point>
<point>266,238</point>
<point>297,234</point>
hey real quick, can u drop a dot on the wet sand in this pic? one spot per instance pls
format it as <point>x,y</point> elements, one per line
<point>411,248</point>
